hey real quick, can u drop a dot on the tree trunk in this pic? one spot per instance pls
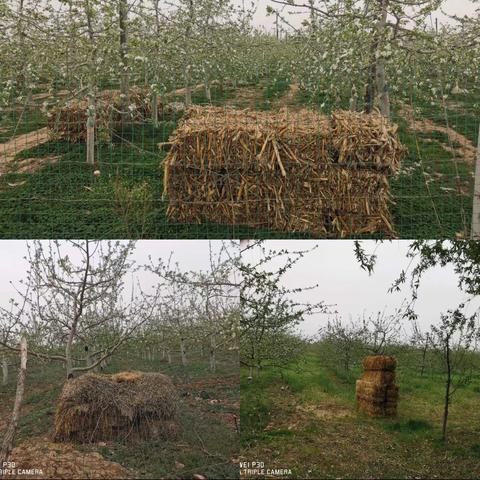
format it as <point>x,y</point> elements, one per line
<point>448,385</point>
<point>123,50</point>
<point>424,355</point>
<point>155,109</point>
<point>169,356</point>
<point>188,86</point>
<point>91,128</point>
<point>183,352</point>
<point>476,195</point>
<point>382,99</point>
<point>347,361</point>
<point>313,23</point>
<point>12,427</point>
<point>208,91</point>
<point>213,360</point>
<point>68,356</point>
<point>21,78</point>
<point>91,90</point>
<point>188,66</point>
<point>4,370</point>
<point>353,100</point>
<point>370,86</point>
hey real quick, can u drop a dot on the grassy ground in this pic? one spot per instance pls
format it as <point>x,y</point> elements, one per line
<point>304,419</point>
<point>208,441</point>
<point>432,195</point>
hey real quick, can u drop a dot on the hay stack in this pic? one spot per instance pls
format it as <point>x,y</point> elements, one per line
<point>288,171</point>
<point>376,392</point>
<point>69,121</point>
<point>121,407</point>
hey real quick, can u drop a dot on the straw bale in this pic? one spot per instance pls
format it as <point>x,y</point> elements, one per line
<point>69,121</point>
<point>369,394</point>
<point>379,376</point>
<point>290,171</point>
<point>379,362</point>
<point>125,406</point>
<point>366,140</point>
<point>376,393</point>
<point>371,399</point>
<point>126,377</point>
<point>392,391</point>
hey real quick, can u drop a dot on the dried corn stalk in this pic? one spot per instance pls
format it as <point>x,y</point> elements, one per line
<point>295,172</point>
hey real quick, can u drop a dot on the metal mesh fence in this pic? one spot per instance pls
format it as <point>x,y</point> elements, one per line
<point>47,188</point>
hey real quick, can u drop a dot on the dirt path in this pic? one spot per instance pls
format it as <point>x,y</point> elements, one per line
<point>182,91</point>
<point>250,97</point>
<point>246,97</point>
<point>38,97</point>
<point>465,150</point>
<point>211,383</point>
<point>10,149</point>
<point>62,460</point>
<point>288,99</point>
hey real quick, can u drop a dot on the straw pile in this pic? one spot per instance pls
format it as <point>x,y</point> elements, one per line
<point>376,392</point>
<point>288,171</point>
<point>69,121</point>
<point>122,407</point>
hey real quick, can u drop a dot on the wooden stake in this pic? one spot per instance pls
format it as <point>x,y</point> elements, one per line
<point>91,129</point>
<point>476,195</point>
<point>7,445</point>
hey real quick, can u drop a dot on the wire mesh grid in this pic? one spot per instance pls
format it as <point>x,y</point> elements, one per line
<point>47,188</point>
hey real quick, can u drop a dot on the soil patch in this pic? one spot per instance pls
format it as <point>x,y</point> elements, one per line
<point>10,149</point>
<point>464,151</point>
<point>57,460</point>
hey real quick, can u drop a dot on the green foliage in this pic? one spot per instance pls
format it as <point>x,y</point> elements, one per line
<point>255,406</point>
<point>315,400</point>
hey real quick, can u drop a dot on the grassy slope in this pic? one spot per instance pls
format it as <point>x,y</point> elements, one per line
<point>66,200</point>
<point>306,420</point>
<point>199,418</point>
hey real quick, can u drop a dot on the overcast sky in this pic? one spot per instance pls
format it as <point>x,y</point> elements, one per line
<point>332,265</point>
<point>451,7</point>
<point>351,290</point>
<point>190,254</point>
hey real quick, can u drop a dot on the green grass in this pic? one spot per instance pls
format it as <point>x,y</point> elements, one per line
<point>273,91</point>
<point>434,198</point>
<point>18,123</point>
<point>206,443</point>
<point>304,418</point>
<point>432,195</point>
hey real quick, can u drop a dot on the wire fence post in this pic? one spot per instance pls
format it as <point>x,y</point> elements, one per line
<point>476,195</point>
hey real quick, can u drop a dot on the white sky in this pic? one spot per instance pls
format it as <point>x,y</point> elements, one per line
<point>344,284</point>
<point>451,7</point>
<point>190,254</point>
